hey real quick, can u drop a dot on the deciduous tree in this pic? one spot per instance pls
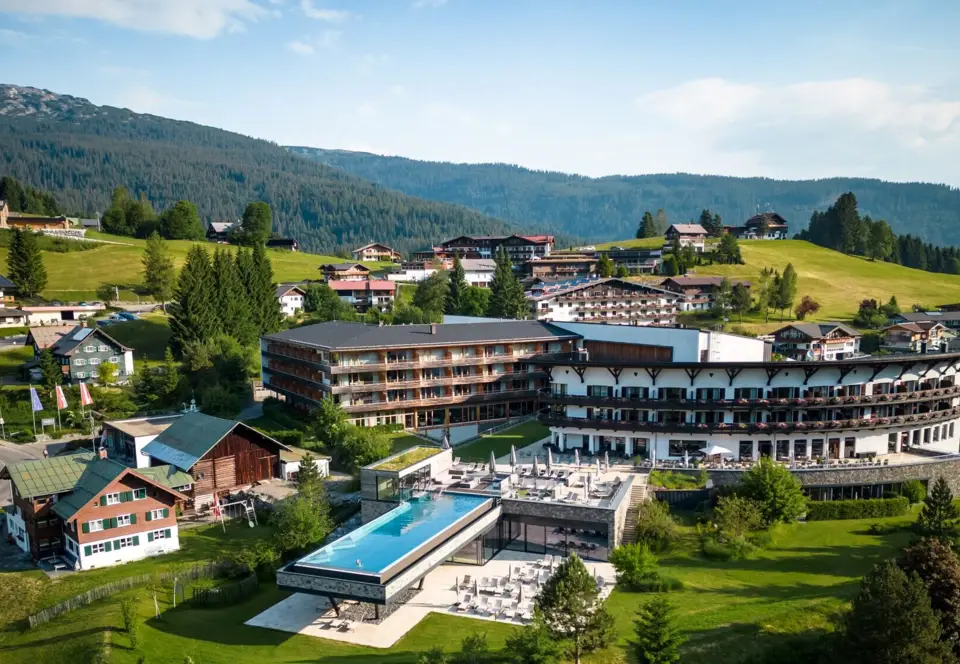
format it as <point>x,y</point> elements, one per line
<point>256,224</point>
<point>807,307</point>
<point>740,300</point>
<point>605,266</point>
<point>182,222</point>
<point>775,489</point>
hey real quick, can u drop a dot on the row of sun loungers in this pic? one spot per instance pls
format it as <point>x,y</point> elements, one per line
<point>495,607</point>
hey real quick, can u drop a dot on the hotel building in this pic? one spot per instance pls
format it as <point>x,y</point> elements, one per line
<point>610,300</point>
<point>457,376</point>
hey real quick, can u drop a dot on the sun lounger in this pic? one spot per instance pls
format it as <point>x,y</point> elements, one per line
<point>497,608</point>
<point>482,607</point>
<point>510,611</point>
<point>548,561</point>
<point>467,581</point>
<point>484,583</point>
<point>464,604</point>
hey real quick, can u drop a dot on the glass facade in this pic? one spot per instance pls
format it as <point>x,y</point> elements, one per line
<point>537,536</point>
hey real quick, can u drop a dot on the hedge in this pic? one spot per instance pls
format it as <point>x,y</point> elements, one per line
<point>830,510</point>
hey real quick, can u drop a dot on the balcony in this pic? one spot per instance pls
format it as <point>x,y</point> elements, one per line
<point>447,400</point>
<point>755,404</point>
<point>382,386</point>
<point>427,362</point>
<point>921,419</point>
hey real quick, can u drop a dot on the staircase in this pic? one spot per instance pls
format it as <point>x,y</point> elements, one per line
<point>638,494</point>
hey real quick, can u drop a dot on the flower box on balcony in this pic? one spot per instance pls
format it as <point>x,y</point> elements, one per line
<point>782,425</point>
<point>762,426</point>
<point>742,425</point>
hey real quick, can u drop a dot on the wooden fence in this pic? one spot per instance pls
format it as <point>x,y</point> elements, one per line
<point>195,572</point>
<point>227,594</point>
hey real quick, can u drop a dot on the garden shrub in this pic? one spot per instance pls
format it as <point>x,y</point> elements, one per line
<point>655,526</point>
<point>657,584</point>
<point>288,437</point>
<point>832,510</point>
<point>669,479</point>
<point>914,491</point>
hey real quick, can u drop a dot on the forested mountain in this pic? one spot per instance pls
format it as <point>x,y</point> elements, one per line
<point>610,208</point>
<point>81,152</point>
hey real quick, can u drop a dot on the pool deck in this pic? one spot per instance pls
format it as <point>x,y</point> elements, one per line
<point>312,615</point>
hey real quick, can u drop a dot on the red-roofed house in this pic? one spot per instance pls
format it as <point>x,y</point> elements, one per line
<point>921,337</point>
<point>693,235</point>
<point>373,293</point>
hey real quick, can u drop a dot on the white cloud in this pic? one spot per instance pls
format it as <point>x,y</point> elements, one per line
<point>144,99</point>
<point>367,63</point>
<point>193,18</point>
<point>13,37</point>
<point>853,126</point>
<point>300,47</point>
<point>329,15</point>
<point>423,4</point>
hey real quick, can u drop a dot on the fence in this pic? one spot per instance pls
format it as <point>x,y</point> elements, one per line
<point>227,594</point>
<point>66,606</point>
<point>683,498</point>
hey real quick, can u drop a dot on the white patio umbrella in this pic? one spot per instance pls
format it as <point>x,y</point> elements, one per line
<point>686,459</point>
<point>606,460</point>
<point>520,596</point>
<point>513,455</point>
<point>576,456</point>
<point>476,588</point>
<point>715,450</point>
<point>446,442</point>
<point>493,464</point>
<point>599,469</point>
<point>549,459</point>
<point>536,466</point>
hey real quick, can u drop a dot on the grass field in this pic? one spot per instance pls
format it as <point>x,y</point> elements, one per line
<point>77,274</point>
<point>727,610</point>
<point>500,442</point>
<point>11,359</point>
<point>149,336</point>
<point>634,243</point>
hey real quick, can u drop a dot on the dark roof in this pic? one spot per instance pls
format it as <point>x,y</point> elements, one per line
<point>573,285</point>
<point>920,326</point>
<point>187,439</point>
<point>703,281</point>
<point>772,219</point>
<point>76,337</point>
<point>343,335</point>
<point>343,266</point>
<point>919,316</point>
<point>283,289</point>
<point>6,312</point>
<point>6,284</point>
<point>818,330</point>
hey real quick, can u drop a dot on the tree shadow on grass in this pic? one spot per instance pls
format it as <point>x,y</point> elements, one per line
<point>58,639</point>
<point>746,643</point>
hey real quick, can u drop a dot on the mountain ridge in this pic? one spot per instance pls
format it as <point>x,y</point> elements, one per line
<point>81,151</point>
<point>610,207</point>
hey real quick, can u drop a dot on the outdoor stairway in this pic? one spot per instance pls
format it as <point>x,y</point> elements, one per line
<point>638,494</point>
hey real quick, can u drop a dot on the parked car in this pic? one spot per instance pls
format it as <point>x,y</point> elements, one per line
<point>126,315</point>
<point>106,322</point>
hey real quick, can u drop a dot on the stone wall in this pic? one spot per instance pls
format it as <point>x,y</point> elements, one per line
<point>856,475</point>
<point>371,509</point>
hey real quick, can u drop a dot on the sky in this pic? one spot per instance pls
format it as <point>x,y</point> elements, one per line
<point>779,89</point>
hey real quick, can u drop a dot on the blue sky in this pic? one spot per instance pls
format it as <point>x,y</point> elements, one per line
<point>779,89</point>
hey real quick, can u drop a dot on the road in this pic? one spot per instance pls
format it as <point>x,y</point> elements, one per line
<point>11,453</point>
<point>12,342</point>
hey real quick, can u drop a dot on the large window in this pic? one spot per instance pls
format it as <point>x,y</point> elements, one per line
<point>691,447</point>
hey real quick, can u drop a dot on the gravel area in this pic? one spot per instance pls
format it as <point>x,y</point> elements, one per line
<point>366,611</point>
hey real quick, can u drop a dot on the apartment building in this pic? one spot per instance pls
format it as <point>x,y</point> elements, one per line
<point>817,341</point>
<point>700,293</point>
<point>562,266</point>
<point>642,261</point>
<point>610,300</point>
<point>375,251</point>
<point>520,248</point>
<point>455,377</point>
<point>365,295</point>
<point>688,235</point>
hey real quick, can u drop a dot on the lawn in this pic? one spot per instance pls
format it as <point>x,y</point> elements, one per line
<point>500,442</point>
<point>402,440</point>
<point>728,610</point>
<point>149,336</point>
<point>408,458</point>
<point>76,275</point>
<point>11,359</point>
<point>634,243</point>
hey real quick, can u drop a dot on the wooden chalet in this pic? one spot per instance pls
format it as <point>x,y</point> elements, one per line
<point>345,271</point>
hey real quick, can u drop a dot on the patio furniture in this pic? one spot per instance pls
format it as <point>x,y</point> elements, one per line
<point>464,604</point>
<point>481,607</point>
<point>467,581</point>
<point>510,611</point>
<point>497,608</point>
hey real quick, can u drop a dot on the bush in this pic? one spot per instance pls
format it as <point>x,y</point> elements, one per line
<point>288,437</point>
<point>635,564</point>
<point>735,549</point>
<point>914,491</point>
<point>883,528</point>
<point>655,527</point>
<point>657,584</point>
<point>775,489</point>
<point>669,479</point>
<point>833,510</point>
<point>736,516</point>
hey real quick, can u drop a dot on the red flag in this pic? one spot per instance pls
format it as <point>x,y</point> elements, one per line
<point>216,506</point>
<point>61,399</point>
<point>85,398</point>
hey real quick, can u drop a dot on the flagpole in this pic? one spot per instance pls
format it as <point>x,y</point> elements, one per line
<point>33,410</point>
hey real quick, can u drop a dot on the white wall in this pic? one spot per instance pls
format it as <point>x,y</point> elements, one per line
<point>17,526</point>
<point>126,554</point>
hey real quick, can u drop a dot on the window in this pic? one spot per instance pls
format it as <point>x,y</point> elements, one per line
<point>89,349</point>
<point>112,499</point>
<point>94,360</point>
<point>79,362</point>
<point>94,374</point>
<point>97,548</point>
<point>157,514</point>
<point>94,526</point>
<point>139,494</point>
<point>115,359</point>
<point>158,534</point>
<point>81,374</point>
<point>44,544</point>
<point>124,542</point>
<point>103,348</point>
<point>123,520</point>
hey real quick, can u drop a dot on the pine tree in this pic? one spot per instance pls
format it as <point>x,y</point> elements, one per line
<point>50,371</point>
<point>159,275</point>
<point>256,224</point>
<point>262,293</point>
<point>786,289</point>
<point>938,515</point>
<point>507,299</point>
<point>193,315</point>
<point>25,264</point>
<point>169,384</point>
<point>937,565</point>
<point>740,300</point>
<point>656,638</point>
<point>231,299</point>
<point>309,480</point>
<point>605,266</point>
<point>458,288</point>
<point>647,227</point>
<point>660,223</point>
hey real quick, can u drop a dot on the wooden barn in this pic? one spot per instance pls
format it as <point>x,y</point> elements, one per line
<point>221,455</point>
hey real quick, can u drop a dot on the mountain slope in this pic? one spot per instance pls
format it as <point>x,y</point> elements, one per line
<point>610,207</point>
<point>81,151</point>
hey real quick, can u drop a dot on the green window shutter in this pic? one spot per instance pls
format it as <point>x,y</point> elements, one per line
<point>103,501</point>
<point>85,528</point>
<point>149,537</point>
<point>106,545</point>
<point>129,495</point>
<point>149,516</point>
<point>166,512</point>
<point>116,544</point>
<point>136,540</point>
<point>133,518</point>
<point>86,550</point>
<point>123,496</point>
<point>166,533</point>
<point>114,522</point>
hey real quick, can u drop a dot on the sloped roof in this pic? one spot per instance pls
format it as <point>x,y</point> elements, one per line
<point>370,284</point>
<point>76,337</point>
<point>918,316</point>
<point>222,226</point>
<point>185,441</point>
<point>703,281</point>
<point>688,229</point>
<point>374,244</point>
<point>772,219</point>
<point>6,284</point>
<point>98,474</point>
<point>342,267</point>
<point>44,337</point>
<point>11,313</point>
<point>168,476</point>
<point>43,477</point>
<point>573,285</point>
<point>283,289</point>
<point>818,330</point>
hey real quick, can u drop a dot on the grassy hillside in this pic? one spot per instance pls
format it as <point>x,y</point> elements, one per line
<point>77,274</point>
<point>838,281</point>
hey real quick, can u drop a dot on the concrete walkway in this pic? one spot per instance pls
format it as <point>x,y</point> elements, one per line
<point>312,615</point>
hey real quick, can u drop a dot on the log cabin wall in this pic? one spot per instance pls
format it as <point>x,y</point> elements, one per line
<point>610,350</point>
<point>241,458</point>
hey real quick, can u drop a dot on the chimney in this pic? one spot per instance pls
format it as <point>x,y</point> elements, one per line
<point>433,328</point>
<point>102,452</point>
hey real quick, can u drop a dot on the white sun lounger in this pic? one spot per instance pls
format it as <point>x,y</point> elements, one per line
<point>497,608</point>
<point>464,604</point>
<point>510,611</point>
<point>483,608</point>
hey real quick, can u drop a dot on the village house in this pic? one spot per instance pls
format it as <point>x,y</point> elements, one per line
<point>125,439</point>
<point>562,266</point>
<point>221,456</point>
<point>520,248</point>
<point>763,226</point>
<point>81,350</point>
<point>920,337</point>
<point>949,318</point>
<point>688,235</point>
<point>219,231</point>
<point>642,261</point>
<point>55,314</point>
<point>11,219</point>
<point>93,511</point>
<point>700,293</point>
<point>611,300</point>
<point>283,244</point>
<point>477,271</point>
<point>291,297</point>
<point>8,291</point>
<point>345,272</point>
<point>376,251</point>
<point>817,341</point>
<point>364,295</point>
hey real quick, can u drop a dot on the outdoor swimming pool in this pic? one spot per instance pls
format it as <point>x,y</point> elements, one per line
<point>374,546</point>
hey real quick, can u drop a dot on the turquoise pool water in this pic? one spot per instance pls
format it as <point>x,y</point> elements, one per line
<point>376,545</point>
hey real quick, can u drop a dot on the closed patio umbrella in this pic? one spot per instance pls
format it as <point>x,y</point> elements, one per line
<point>446,442</point>
<point>599,470</point>
<point>576,456</point>
<point>520,596</point>
<point>493,464</point>
<point>536,466</point>
<point>476,588</point>
<point>686,459</point>
<point>513,455</point>
<point>606,460</point>
<point>549,459</point>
